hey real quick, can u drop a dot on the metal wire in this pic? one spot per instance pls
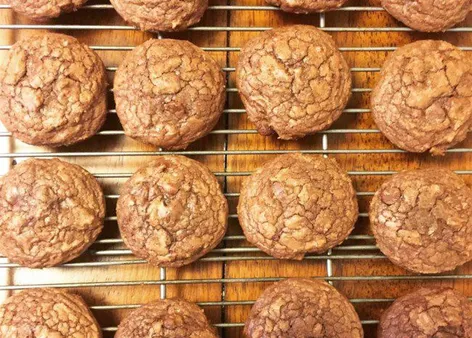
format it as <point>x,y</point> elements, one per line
<point>358,247</point>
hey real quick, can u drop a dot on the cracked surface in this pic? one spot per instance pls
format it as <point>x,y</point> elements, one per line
<point>296,204</point>
<point>302,308</point>
<point>293,81</point>
<point>423,98</point>
<point>428,313</point>
<point>172,211</point>
<point>50,212</point>
<point>41,10</point>
<point>422,220</point>
<point>51,313</point>
<point>169,318</point>
<point>52,90</point>
<point>306,6</point>
<point>169,93</point>
<point>161,15</point>
<point>428,15</point>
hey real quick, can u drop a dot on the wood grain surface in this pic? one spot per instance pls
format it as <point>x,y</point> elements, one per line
<point>228,302</point>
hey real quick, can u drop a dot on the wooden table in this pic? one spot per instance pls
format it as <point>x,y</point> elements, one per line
<point>227,281</point>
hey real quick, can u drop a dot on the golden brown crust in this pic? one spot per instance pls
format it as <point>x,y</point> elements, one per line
<point>169,318</point>
<point>172,211</point>
<point>296,204</point>
<point>293,81</point>
<point>428,313</point>
<point>40,313</point>
<point>422,220</point>
<point>169,93</point>
<point>50,212</point>
<point>302,308</point>
<point>52,90</point>
<point>41,10</point>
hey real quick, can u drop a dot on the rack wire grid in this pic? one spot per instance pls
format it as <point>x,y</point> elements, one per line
<point>228,280</point>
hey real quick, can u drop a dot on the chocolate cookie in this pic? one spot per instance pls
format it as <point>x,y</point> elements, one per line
<point>172,211</point>
<point>307,6</point>
<point>161,15</point>
<point>170,318</point>
<point>302,308</point>
<point>52,90</point>
<point>37,313</point>
<point>50,212</point>
<point>41,10</point>
<point>428,313</point>
<point>296,204</point>
<point>422,220</point>
<point>423,98</point>
<point>428,15</point>
<point>293,81</point>
<point>169,93</point>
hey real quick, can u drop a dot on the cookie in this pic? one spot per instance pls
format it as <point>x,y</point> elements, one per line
<point>161,15</point>
<point>428,15</point>
<point>428,313</point>
<point>306,6</point>
<point>302,308</point>
<point>52,90</point>
<point>297,204</point>
<point>293,81</point>
<point>422,220</point>
<point>172,211</point>
<point>47,313</point>
<point>41,10</point>
<point>50,212</point>
<point>423,98</point>
<point>170,318</point>
<point>169,93</point>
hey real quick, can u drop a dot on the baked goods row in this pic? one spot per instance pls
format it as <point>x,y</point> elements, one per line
<point>293,82</point>
<point>177,15</point>
<point>292,308</point>
<point>172,212</point>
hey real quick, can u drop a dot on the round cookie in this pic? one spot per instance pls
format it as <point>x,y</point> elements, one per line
<point>169,93</point>
<point>428,313</point>
<point>172,211</point>
<point>41,10</point>
<point>161,15</point>
<point>306,6</point>
<point>428,15</point>
<point>297,204</point>
<point>293,81</point>
<point>50,212</point>
<point>302,308</point>
<point>423,98</point>
<point>422,220</point>
<point>47,313</point>
<point>170,318</point>
<point>52,90</point>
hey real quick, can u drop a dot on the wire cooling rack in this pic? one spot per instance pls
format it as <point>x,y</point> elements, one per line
<point>356,267</point>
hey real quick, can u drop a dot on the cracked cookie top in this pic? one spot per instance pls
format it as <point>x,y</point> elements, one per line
<point>306,6</point>
<point>170,318</point>
<point>428,15</point>
<point>422,220</point>
<point>423,98</point>
<point>50,212</point>
<point>302,308</point>
<point>41,10</point>
<point>52,313</point>
<point>169,93</point>
<point>52,90</point>
<point>297,204</point>
<point>428,313</point>
<point>293,81</point>
<point>161,15</point>
<point>172,211</point>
